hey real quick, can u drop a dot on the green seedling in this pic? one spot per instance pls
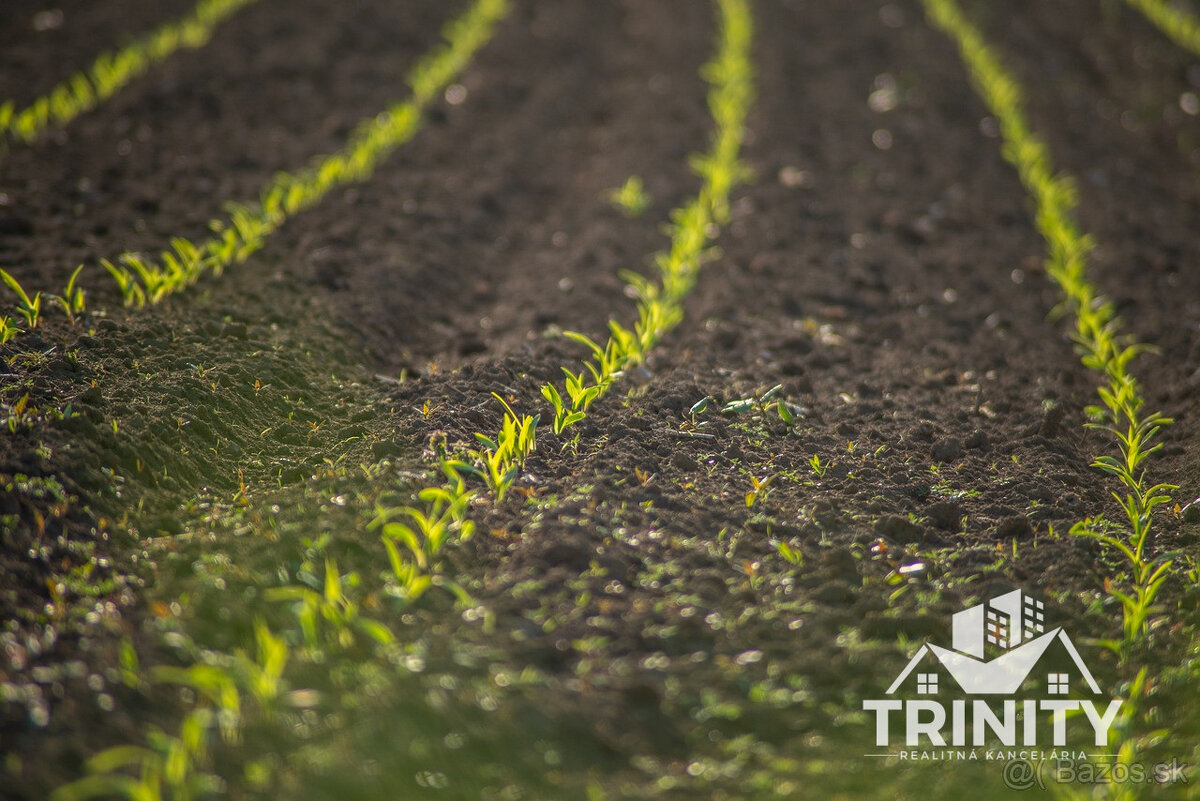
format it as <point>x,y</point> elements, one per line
<point>28,307</point>
<point>501,458</point>
<point>766,405</point>
<point>817,467</point>
<point>131,291</point>
<point>262,673</point>
<point>7,330</point>
<point>787,413</point>
<point>332,609</point>
<point>740,406</point>
<point>759,490</point>
<point>564,414</point>
<point>72,299</point>
<point>791,555</point>
<point>414,536</point>
<point>17,414</point>
<point>1148,574</point>
<point>631,198</point>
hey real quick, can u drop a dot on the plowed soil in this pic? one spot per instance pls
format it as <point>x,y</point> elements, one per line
<point>635,631</point>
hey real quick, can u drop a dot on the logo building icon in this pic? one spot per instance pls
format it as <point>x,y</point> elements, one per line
<point>996,645</point>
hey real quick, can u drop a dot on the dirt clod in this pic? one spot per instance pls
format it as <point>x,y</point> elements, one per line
<point>899,529</point>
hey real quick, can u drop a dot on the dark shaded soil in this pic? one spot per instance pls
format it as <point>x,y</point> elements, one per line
<point>644,637</point>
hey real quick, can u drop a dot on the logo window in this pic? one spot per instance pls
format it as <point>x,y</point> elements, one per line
<point>1035,621</point>
<point>1058,684</point>
<point>997,628</point>
<point>927,683</point>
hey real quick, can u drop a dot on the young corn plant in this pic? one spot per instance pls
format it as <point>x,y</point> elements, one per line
<point>28,307</point>
<point>631,197</point>
<point>7,330</point>
<point>71,301</point>
<point>333,610</point>
<point>819,468</point>
<point>691,228</point>
<point>113,70</point>
<point>413,537</point>
<point>501,458</point>
<point>759,491</point>
<point>793,556</point>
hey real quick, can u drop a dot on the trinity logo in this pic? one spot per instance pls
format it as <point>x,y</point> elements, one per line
<point>997,647</point>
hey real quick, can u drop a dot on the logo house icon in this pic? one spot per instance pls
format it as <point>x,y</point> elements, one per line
<point>996,645</point>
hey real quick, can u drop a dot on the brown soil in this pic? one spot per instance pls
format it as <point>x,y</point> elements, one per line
<point>882,266</point>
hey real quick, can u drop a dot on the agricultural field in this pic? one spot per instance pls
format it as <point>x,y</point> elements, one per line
<point>633,399</point>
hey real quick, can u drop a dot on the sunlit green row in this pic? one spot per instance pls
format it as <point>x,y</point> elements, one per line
<point>112,70</point>
<point>1103,348</point>
<point>660,303</point>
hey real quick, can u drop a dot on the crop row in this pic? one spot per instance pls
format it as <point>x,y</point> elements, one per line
<point>112,71</point>
<point>414,536</point>
<point>1102,346</point>
<point>660,304</point>
<point>247,226</point>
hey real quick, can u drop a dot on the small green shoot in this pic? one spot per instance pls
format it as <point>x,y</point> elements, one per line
<point>767,405</point>
<point>759,490</point>
<point>28,307</point>
<point>501,458</point>
<point>791,555</point>
<point>7,330</point>
<point>631,198</point>
<point>817,467</point>
<point>72,299</point>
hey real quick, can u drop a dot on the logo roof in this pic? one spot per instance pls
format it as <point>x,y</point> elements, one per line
<point>1014,624</point>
